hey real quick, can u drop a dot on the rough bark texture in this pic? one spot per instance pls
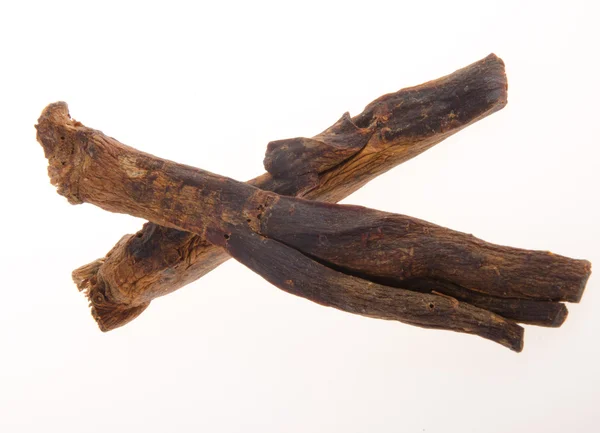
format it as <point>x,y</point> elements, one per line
<point>331,254</point>
<point>296,273</point>
<point>352,238</point>
<point>330,166</point>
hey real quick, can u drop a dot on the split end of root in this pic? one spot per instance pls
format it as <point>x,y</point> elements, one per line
<point>108,315</point>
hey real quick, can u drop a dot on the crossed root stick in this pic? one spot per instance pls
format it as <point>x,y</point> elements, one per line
<point>284,226</point>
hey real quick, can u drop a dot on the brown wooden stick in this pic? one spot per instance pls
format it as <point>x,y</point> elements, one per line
<point>87,166</point>
<point>353,238</point>
<point>294,272</point>
<point>401,125</point>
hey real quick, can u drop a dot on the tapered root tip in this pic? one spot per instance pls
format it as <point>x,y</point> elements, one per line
<point>515,339</point>
<point>547,314</point>
<point>587,272</point>
<point>499,80</point>
<point>561,316</point>
<point>504,332</point>
<point>519,344</point>
<point>487,88</point>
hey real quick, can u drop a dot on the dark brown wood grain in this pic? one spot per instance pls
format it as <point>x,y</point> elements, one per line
<point>330,166</point>
<point>306,247</point>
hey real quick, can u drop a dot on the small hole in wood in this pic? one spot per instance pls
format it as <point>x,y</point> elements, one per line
<point>226,236</point>
<point>431,306</point>
<point>62,138</point>
<point>248,220</point>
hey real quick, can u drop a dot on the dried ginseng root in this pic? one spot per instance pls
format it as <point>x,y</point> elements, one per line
<point>328,167</point>
<point>358,260</point>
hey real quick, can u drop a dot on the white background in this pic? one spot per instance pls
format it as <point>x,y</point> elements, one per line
<point>209,85</point>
